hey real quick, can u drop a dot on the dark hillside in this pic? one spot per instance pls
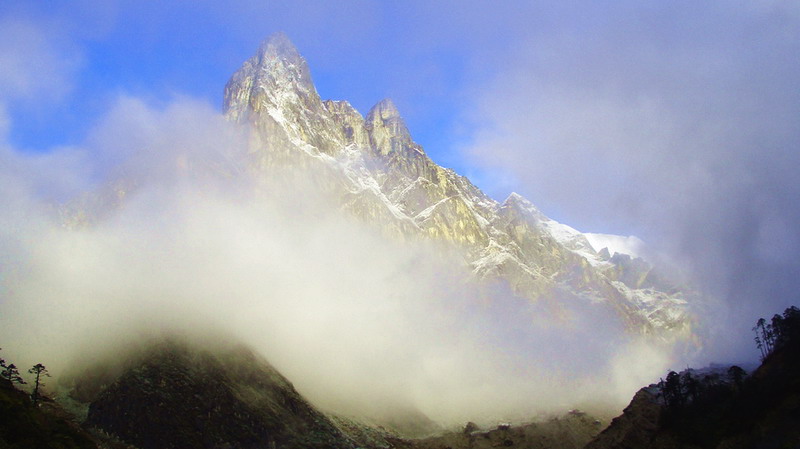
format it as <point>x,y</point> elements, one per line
<point>24,426</point>
<point>759,412</point>
<point>179,396</point>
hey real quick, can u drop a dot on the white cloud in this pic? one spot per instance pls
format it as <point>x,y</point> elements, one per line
<point>354,320</point>
<point>630,244</point>
<point>674,122</point>
<point>36,64</point>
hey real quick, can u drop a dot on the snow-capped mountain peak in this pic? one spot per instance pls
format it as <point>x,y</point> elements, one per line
<point>385,178</point>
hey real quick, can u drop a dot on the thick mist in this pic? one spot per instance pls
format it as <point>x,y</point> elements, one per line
<point>157,225</point>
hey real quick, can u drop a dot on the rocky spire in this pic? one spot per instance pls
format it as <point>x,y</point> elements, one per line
<point>385,115</point>
<point>278,56</point>
<point>277,67</point>
<point>386,128</point>
<point>278,44</point>
<point>385,110</point>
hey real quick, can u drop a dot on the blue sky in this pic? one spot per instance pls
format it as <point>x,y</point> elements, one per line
<point>673,121</point>
<point>357,51</point>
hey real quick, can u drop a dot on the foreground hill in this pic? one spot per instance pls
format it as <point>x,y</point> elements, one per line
<point>178,395</point>
<point>763,411</point>
<point>23,425</point>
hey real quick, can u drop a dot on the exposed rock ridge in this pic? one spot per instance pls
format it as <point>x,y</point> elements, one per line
<point>388,131</point>
<point>383,176</point>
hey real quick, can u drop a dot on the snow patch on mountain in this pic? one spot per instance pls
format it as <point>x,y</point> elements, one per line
<point>630,244</point>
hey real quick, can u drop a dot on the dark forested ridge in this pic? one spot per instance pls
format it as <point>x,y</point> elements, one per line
<point>180,396</point>
<point>728,410</point>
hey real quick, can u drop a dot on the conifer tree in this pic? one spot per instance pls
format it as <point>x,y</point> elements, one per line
<point>690,386</point>
<point>672,390</point>
<point>10,372</point>
<point>737,374</point>
<point>759,345</point>
<point>39,371</point>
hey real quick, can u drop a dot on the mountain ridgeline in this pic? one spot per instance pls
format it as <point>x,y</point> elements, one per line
<point>380,175</point>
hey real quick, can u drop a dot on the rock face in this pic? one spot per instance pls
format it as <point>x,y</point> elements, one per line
<point>382,176</point>
<point>179,396</point>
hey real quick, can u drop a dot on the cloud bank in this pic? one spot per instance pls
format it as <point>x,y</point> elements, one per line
<point>181,236</point>
<point>676,123</point>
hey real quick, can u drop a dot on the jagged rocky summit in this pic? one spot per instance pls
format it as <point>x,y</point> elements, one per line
<point>383,177</point>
